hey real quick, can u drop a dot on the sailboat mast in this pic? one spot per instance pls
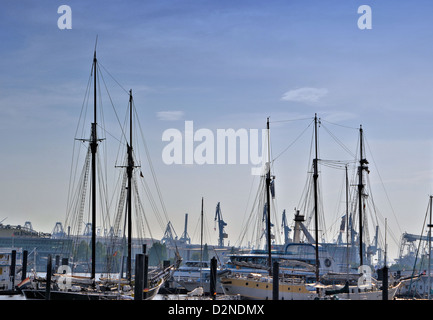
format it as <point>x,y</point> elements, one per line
<point>93,147</point>
<point>316,218</point>
<point>268,196</point>
<point>361,168</point>
<point>347,221</point>
<point>129,170</point>
<point>429,250</point>
<point>201,244</point>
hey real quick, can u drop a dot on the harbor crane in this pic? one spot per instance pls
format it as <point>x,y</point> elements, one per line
<point>170,236</point>
<point>221,225</point>
<point>184,238</point>
<point>286,228</point>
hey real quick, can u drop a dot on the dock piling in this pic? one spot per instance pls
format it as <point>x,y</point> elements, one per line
<point>275,281</point>
<point>13,268</point>
<point>48,280</point>
<point>139,276</point>
<point>24,270</point>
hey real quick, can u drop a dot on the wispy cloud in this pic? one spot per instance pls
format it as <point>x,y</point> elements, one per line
<point>306,95</point>
<point>169,115</point>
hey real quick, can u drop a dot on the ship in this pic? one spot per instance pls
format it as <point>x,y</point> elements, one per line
<point>127,284</point>
<point>315,285</point>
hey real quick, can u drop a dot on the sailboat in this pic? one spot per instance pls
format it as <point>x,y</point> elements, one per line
<point>91,288</point>
<point>366,287</point>
<point>258,286</point>
<point>355,286</point>
<point>197,274</point>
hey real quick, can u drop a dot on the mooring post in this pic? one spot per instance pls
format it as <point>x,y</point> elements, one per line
<point>385,283</point>
<point>139,266</point>
<point>24,270</point>
<point>213,277</point>
<point>275,281</point>
<point>48,281</point>
<point>13,267</point>
<point>145,276</point>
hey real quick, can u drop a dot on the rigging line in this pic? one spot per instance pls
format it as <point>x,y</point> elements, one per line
<point>245,224</point>
<point>252,214</point>
<point>335,164</point>
<point>290,120</point>
<point>103,191</point>
<point>383,185</point>
<point>105,69</point>
<point>71,173</point>
<point>246,207</point>
<point>290,145</point>
<point>340,125</point>
<point>419,244</point>
<point>338,141</point>
<point>378,213</point>
<point>151,167</point>
<point>140,209</point>
<point>112,104</point>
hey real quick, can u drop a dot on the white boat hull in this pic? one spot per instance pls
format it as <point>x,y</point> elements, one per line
<point>356,294</point>
<point>252,289</point>
<point>260,288</point>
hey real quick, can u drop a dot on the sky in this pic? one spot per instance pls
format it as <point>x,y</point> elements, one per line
<point>223,64</point>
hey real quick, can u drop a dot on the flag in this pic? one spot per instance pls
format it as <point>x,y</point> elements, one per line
<point>24,283</point>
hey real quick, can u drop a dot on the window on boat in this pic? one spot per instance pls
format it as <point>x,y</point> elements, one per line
<point>302,250</point>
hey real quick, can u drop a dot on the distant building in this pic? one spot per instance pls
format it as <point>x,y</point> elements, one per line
<point>38,244</point>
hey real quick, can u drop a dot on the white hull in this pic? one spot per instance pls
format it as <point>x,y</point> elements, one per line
<point>260,288</point>
<point>190,285</point>
<point>356,294</point>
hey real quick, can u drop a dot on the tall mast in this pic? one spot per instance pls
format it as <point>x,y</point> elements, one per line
<point>201,244</point>
<point>347,221</point>
<point>429,249</point>
<point>268,196</point>
<point>129,169</point>
<point>94,147</point>
<point>316,218</point>
<point>362,167</point>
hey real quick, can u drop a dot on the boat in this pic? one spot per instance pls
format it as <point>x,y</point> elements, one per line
<point>256,286</point>
<point>195,274</point>
<point>72,287</point>
<point>418,282</point>
<point>259,285</point>
<point>12,271</point>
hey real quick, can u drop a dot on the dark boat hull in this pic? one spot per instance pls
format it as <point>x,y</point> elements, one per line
<point>31,294</point>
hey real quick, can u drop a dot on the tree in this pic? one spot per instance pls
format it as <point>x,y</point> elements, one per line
<point>157,254</point>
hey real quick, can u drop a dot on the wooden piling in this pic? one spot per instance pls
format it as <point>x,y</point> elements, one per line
<point>24,268</point>
<point>13,268</point>
<point>275,281</point>
<point>146,276</point>
<point>385,283</point>
<point>213,277</point>
<point>48,280</point>
<point>139,276</point>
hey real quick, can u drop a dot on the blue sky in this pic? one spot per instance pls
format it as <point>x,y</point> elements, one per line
<point>221,64</point>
